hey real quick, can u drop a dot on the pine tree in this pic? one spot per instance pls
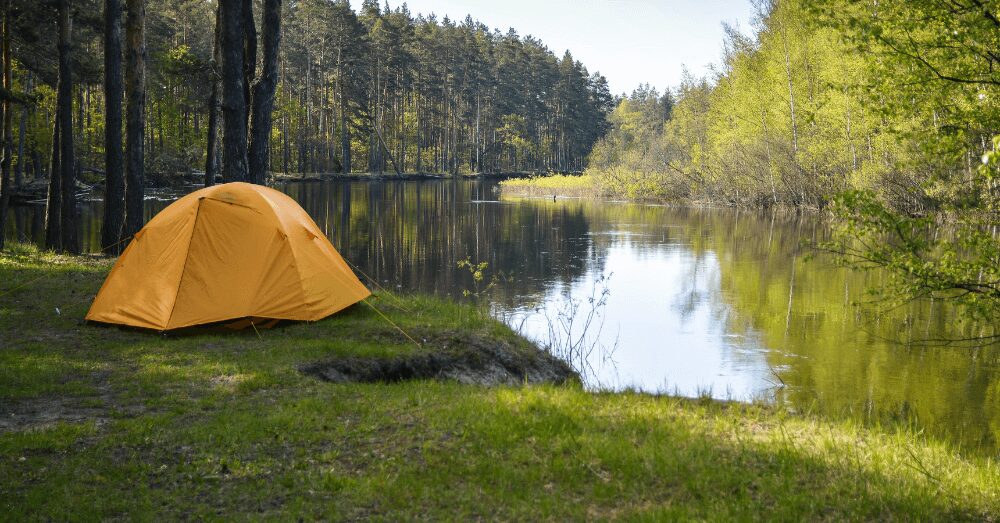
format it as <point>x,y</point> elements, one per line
<point>135,122</point>
<point>114,185</point>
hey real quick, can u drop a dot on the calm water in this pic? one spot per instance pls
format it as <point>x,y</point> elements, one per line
<point>699,301</point>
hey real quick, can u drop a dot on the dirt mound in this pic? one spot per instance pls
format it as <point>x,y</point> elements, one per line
<point>462,357</point>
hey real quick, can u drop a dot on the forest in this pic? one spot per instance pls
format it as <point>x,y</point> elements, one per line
<point>380,89</point>
<point>899,98</point>
<point>883,116</point>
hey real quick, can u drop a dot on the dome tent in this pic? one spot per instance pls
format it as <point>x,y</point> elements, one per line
<point>222,253</point>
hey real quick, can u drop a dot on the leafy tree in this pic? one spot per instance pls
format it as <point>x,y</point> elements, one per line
<point>883,110</point>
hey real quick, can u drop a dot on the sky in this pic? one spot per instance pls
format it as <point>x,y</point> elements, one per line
<point>630,42</point>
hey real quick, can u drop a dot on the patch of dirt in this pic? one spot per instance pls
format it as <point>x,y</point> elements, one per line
<point>40,413</point>
<point>462,357</point>
<point>46,411</point>
<point>227,381</point>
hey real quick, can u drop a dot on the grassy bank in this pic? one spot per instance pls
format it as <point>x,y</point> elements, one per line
<point>101,422</point>
<point>565,185</point>
<point>617,183</point>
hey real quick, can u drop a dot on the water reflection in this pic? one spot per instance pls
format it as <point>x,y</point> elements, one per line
<point>701,301</point>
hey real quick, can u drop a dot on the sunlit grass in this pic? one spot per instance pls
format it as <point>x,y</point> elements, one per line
<point>565,185</point>
<point>212,426</point>
<point>616,182</point>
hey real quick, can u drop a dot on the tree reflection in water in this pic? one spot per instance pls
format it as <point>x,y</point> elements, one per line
<point>703,301</point>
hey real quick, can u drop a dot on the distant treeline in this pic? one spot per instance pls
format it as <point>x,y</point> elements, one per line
<point>359,91</point>
<point>899,98</point>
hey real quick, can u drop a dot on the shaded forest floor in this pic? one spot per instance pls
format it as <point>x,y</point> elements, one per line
<point>100,422</point>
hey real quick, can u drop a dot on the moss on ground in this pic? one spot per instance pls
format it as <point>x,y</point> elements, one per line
<point>104,423</point>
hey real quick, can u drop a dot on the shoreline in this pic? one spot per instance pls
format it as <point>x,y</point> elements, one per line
<point>34,192</point>
<point>130,425</point>
<point>581,187</point>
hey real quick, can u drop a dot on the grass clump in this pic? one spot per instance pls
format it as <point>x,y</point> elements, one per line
<point>613,182</point>
<point>565,185</point>
<point>133,425</point>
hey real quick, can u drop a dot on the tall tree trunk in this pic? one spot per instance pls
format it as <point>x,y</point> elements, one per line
<point>22,130</point>
<point>767,152</point>
<point>477,168</point>
<point>850,139</point>
<point>79,114</point>
<point>114,185</point>
<point>791,93</point>
<point>8,147</point>
<point>249,56</point>
<point>305,150</point>
<point>345,130</point>
<point>64,113</point>
<point>234,108</point>
<point>418,131</point>
<point>286,153</point>
<point>53,204</point>
<point>402,132</point>
<point>36,164</point>
<point>135,108</point>
<point>212,148</point>
<point>385,148</point>
<point>263,95</point>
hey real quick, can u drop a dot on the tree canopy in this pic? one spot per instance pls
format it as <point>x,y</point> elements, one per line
<point>443,95</point>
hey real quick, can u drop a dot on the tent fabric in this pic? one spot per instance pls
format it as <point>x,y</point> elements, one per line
<point>226,252</point>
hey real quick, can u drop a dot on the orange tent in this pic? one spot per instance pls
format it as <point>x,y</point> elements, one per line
<point>226,252</point>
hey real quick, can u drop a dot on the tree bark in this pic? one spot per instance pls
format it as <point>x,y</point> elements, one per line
<point>263,95</point>
<point>345,130</point>
<point>234,108</point>
<point>8,148</point>
<point>385,148</point>
<point>53,205</point>
<point>22,130</point>
<point>64,113</point>
<point>135,108</point>
<point>211,150</point>
<point>114,185</point>
<point>249,56</point>
<point>791,94</point>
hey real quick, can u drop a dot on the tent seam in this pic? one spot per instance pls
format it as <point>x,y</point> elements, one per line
<point>298,271</point>
<point>291,248</point>
<point>228,202</point>
<point>263,276</point>
<point>187,255</point>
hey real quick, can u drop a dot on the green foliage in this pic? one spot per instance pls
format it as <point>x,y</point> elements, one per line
<point>444,96</point>
<point>931,78</point>
<point>897,98</point>
<point>958,263</point>
<point>478,272</point>
<point>890,104</point>
<point>557,184</point>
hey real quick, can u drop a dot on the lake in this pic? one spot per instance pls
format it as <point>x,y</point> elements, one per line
<point>687,301</point>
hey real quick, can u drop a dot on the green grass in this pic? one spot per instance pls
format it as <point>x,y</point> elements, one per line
<point>566,185</point>
<point>222,426</point>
